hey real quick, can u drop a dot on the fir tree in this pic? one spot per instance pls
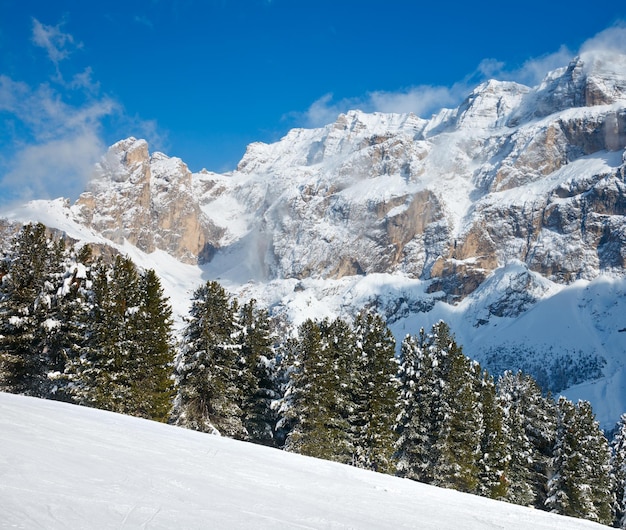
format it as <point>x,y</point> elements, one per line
<point>457,449</point>
<point>209,397</point>
<point>153,386</point>
<point>416,425</point>
<point>288,368</point>
<point>318,395</point>
<point>440,423</point>
<point>259,388</point>
<point>529,426</point>
<point>374,394</point>
<point>618,471</point>
<point>72,312</point>
<point>29,349</point>
<point>336,369</point>
<point>304,403</point>
<point>125,361</point>
<point>110,369</point>
<point>494,459</point>
<point>581,485</point>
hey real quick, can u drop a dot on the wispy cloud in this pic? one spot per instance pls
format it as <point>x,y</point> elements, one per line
<point>611,39</point>
<point>51,133</point>
<point>424,100</point>
<point>532,72</point>
<point>45,113</point>
<point>84,80</point>
<point>57,43</point>
<point>421,100</point>
<point>54,168</point>
<point>144,21</point>
<point>57,143</point>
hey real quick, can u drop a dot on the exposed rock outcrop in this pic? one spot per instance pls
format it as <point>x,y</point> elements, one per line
<point>147,201</point>
<point>514,173</point>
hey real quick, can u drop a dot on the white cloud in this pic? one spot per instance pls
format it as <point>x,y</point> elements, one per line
<point>421,100</point>
<point>148,130</point>
<point>53,168</point>
<point>45,114</point>
<point>84,80</point>
<point>426,100</point>
<point>611,39</point>
<point>57,144</point>
<point>57,44</point>
<point>51,133</point>
<point>534,70</point>
<point>323,111</point>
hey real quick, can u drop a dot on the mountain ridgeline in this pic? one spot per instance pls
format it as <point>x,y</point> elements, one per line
<point>534,175</point>
<point>510,205</point>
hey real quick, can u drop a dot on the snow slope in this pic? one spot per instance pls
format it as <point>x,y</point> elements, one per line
<point>63,466</point>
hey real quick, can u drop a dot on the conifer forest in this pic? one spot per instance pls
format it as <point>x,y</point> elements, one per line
<point>97,331</point>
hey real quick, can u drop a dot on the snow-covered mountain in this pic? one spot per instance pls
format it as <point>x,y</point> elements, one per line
<point>504,217</point>
<point>69,467</point>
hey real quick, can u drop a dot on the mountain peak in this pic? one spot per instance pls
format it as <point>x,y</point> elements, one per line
<point>515,175</point>
<point>592,79</point>
<point>490,103</point>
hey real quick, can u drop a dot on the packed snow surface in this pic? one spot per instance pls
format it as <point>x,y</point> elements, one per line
<point>64,466</point>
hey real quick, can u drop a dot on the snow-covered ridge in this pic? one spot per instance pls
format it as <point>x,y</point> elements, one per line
<point>67,467</point>
<point>482,215</point>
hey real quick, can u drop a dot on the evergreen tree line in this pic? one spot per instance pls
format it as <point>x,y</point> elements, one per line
<point>77,329</point>
<point>459,429</point>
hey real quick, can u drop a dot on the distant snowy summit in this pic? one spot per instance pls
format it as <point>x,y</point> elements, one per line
<point>534,175</point>
<point>514,173</point>
<point>481,213</point>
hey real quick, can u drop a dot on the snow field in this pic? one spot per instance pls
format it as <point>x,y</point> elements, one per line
<point>65,467</point>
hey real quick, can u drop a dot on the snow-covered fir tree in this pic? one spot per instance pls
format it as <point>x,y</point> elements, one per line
<point>285,373</point>
<point>258,380</point>
<point>374,393</point>
<point>104,379</point>
<point>494,458</point>
<point>529,427</point>
<point>444,437</point>
<point>418,402</point>
<point>304,403</point>
<point>581,485</point>
<point>618,471</point>
<point>154,357</point>
<point>341,398</point>
<point>339,363</point>
<point>30,348</point>
<point>457,448</point>
<point>72,317</point>
<point>316,397</point>
<point>125,362</point>
<point>208,366</point>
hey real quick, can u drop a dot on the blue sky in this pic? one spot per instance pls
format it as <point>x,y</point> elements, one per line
<point>202,79</point>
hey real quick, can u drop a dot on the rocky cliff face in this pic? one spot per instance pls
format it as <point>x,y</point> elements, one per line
<point>146,200</point>
<point>514,173</point>
<point>535,175</point>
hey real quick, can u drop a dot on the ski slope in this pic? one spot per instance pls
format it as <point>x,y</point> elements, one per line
<point>66,467</point>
